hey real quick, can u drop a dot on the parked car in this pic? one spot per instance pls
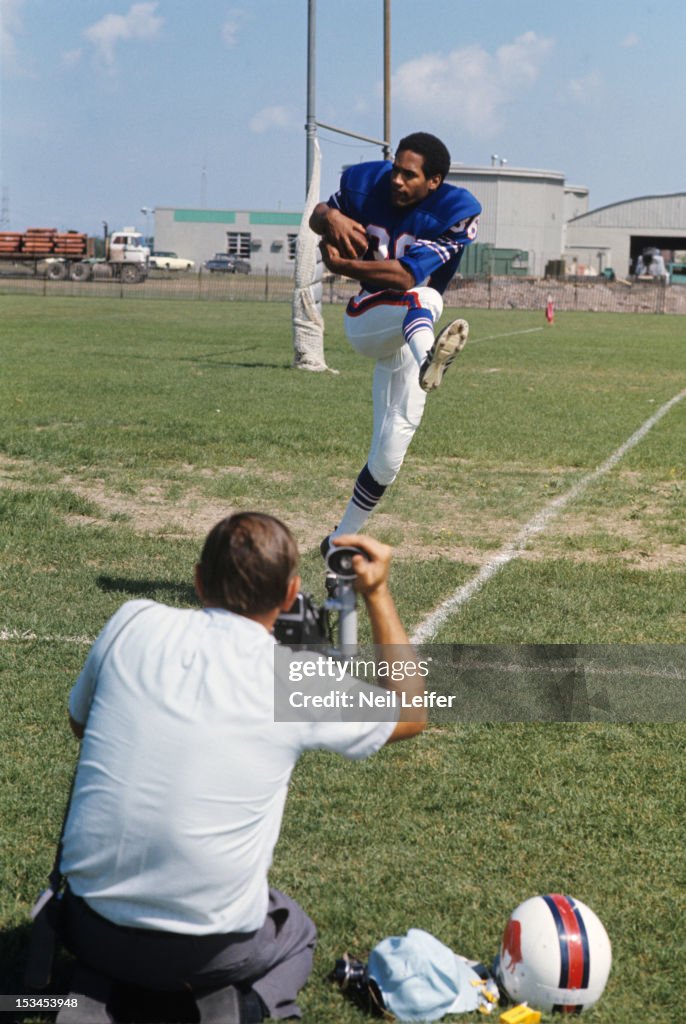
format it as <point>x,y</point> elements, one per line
<point>169,261</point>
<point>227,263</point>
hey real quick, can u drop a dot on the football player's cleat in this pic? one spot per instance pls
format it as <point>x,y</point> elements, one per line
<point>449,342</point>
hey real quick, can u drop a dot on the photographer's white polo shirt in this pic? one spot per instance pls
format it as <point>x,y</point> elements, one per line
<point>183,773</point>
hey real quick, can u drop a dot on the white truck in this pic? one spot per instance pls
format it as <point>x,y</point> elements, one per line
<point>69,254</point>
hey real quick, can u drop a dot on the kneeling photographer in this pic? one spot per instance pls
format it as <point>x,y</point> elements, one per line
<point>183,776</point>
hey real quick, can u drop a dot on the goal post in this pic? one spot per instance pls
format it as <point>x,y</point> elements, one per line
<point>308,322</point>
<point>307,319</point>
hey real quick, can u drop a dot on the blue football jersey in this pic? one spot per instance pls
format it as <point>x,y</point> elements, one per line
<point>428,238</point>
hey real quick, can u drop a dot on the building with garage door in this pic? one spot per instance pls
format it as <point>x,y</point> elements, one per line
<point>616,235</point>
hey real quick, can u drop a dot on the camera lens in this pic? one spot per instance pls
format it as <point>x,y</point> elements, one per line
<point>350,972</point>
<point>339,561</point>
<point>340,972</point>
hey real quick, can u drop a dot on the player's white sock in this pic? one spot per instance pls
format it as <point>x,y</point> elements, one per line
<point>420,344</point>
<point>366,496</point>
<point>353,519</point>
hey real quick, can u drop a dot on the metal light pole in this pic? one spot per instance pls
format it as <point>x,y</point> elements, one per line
<point>147,210</point>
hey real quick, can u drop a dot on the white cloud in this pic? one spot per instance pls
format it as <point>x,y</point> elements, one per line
<point>271,117</point>
<point>230,32</point>
<point>521,60</point>
<point>232,25</point>
<point>586,87</point>
<point>71,57</point>
<point>631,40</point>
<point>10,28</point>
<point>141,22</point>
<point>469,87</point>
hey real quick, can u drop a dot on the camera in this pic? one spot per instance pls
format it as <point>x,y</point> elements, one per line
<point>353,979</point>
<point>307,624</point>
<point>350,973</point>
<point>304,624</point>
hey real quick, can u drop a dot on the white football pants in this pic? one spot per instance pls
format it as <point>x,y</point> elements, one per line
<point>374,327</point>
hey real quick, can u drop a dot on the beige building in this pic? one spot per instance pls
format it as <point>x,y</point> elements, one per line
<point>264,238</point>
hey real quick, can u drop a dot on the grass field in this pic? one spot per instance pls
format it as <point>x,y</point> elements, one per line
<point>128,428</point>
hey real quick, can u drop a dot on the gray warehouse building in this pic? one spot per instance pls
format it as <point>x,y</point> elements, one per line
<point>523,209</point>
<point>614,236</point>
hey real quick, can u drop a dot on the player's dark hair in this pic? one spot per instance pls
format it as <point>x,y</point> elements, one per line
<point>247,562</point>
<point>435,153</point>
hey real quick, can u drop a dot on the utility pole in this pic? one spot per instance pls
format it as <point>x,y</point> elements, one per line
<point>387,78</point>
<point>5,208</point>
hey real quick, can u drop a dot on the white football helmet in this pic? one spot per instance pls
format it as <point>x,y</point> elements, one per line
<point>555,955</point>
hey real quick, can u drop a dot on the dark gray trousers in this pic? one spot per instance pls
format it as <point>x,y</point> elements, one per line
<point>275,961</point>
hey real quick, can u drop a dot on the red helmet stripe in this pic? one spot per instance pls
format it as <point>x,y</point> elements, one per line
<point>574,961</point>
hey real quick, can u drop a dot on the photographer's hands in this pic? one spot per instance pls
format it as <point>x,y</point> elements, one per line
<point>371,581</point>
<point>371,572</point>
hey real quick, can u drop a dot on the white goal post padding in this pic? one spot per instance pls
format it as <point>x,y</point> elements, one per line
<point>308,322</point>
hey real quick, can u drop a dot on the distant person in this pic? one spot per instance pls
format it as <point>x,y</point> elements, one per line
<point>183,776</point>
<point>399,229</point>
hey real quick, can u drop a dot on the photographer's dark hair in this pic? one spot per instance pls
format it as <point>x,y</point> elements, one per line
<point>247,562</point>
<point>435,153</point>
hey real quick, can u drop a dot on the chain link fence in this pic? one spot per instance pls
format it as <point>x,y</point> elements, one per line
<point>534,293</point>
<point>583,294</point>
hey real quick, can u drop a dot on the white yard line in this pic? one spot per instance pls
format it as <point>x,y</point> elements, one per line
<point>510,334</point>
<point>27,636</point>
<point>428,627</point>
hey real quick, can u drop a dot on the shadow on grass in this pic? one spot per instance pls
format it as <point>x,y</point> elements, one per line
<point>182,592</point>
<point>211,360</point>
<point>234,364</point>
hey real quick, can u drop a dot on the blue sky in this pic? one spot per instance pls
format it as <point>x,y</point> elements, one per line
<point>108,106</point>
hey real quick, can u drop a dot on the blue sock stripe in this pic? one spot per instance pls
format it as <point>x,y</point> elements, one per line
<point>366,506</point>
<point>364,500</point>
<point>417,325</point>
<point>367,492</point>
<point>415,320</point>
<point>421,313</point>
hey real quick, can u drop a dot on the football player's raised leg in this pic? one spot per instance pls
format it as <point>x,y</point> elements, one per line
<point>396,329</point>
<point>398,407</point>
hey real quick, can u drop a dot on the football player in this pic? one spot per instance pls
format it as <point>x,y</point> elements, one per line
<point>400,230</point>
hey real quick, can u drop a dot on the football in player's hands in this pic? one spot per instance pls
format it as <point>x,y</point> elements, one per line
<point>357,239</point>
<point>360,243</point>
